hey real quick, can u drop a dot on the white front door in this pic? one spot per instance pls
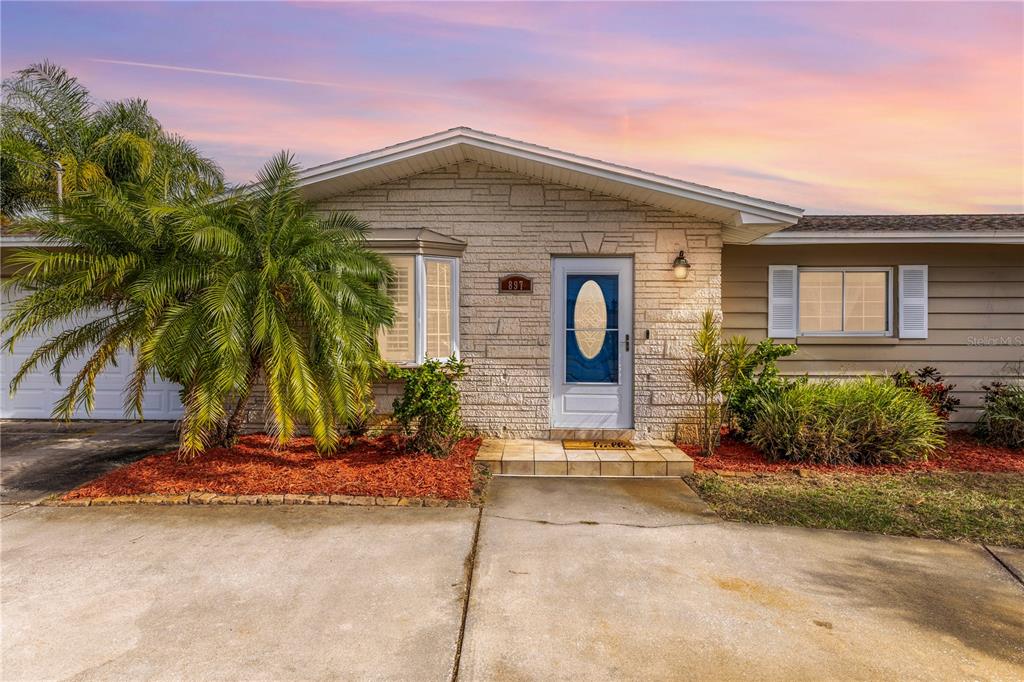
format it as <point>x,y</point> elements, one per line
<point>592,343</point>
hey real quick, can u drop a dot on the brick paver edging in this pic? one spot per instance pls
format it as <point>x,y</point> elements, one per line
<point>214,498</point>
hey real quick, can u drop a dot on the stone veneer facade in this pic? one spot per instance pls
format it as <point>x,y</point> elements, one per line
<point>515,224</point>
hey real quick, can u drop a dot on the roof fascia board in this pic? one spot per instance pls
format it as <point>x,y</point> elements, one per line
<point>25,240</point>
<point>364,161</point>
<point>411,244</point>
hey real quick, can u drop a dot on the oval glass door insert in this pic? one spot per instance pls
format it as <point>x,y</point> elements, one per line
<point>591,329</point>
<point>591,318</point>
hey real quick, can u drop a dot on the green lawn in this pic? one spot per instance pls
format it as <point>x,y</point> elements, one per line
<point>975,507</point>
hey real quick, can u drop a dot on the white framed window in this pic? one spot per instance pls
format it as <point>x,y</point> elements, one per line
<point>398,343</point>
<point>425,292</point>
<point>853,301</point>
<point>847,301</point>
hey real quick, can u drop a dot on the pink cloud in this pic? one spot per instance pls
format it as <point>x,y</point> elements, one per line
<point>917,108</point>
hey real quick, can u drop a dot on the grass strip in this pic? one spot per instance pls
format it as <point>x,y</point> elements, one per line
<point>974,507</point>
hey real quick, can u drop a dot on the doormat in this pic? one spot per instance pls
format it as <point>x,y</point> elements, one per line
<point>597,445</point>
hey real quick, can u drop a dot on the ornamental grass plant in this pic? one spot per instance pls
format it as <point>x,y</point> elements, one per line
<point>864,421</point>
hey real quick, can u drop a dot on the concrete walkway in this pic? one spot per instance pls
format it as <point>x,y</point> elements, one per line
<point>581,579</point>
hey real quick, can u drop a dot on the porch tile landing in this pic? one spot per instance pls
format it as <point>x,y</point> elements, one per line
<point>526,457</point>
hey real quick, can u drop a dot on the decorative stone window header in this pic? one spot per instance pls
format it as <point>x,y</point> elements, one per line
<point>411,241</point>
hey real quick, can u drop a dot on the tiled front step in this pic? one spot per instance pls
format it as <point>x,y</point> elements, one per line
<point>520,457</point>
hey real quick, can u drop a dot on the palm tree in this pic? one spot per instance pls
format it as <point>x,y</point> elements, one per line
<point>294,297</point>
<point>119,264</point>
<point>49,118</point>
<point>217,294</point>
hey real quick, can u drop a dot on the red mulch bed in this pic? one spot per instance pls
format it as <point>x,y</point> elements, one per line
<point>962,453</point>
<point>257,465</point>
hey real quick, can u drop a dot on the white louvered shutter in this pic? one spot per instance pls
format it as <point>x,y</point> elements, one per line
<point>782,301</point>
<point>913,301</point>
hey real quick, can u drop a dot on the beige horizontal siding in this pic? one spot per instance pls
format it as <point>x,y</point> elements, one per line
<point>946,321</point>
<point>985,306</point>
<point>938,290</point>
<point>975,312</point>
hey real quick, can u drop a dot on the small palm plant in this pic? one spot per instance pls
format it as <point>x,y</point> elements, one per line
<point>707,368</point>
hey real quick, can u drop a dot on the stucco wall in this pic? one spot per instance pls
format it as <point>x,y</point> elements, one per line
<point>513,224</point>
<point>975,312</point>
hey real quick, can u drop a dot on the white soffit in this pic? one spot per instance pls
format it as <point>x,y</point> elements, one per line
<point>743,218</point>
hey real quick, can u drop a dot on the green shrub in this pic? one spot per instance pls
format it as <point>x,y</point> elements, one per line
<point>429,409</point>
<point>929,383</point>
<point>1002,415</point>
<point>865,421</point>
<point>730,378</point>
<point>752,377</point>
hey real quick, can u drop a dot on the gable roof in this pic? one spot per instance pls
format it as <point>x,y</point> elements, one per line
<point>992,228</point>
<point>743,218</point>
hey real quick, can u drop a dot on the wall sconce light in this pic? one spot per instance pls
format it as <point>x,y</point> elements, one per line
<point>681,266</point>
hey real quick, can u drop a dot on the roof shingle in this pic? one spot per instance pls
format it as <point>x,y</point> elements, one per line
<point>978,222</point>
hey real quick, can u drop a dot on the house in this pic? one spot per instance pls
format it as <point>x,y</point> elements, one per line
<point>571,285</point>
<point>868,294</point>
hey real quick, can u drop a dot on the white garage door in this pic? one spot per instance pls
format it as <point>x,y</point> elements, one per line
<point>39,391</point>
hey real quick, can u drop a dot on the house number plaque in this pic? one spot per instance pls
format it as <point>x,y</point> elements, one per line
<point>515,284</point>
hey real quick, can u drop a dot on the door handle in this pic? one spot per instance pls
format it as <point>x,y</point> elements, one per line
<point>627,343</point>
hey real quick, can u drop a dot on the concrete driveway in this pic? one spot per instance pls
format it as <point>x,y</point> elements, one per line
<point>40,458</point>
<point>626,579</point>
<point>571,579</point>
<point>233,593</point>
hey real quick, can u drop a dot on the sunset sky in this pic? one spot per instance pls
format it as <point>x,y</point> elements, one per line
<point>837,108</point>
